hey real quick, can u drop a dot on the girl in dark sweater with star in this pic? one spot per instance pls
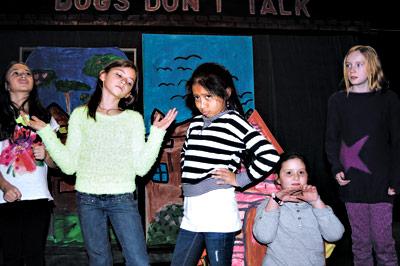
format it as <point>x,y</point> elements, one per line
<point>363,147</point>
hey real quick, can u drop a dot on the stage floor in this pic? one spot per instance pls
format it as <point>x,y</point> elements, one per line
<point>75,255</point>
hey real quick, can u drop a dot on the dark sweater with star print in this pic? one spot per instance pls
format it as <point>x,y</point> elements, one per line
<point>363,141</point>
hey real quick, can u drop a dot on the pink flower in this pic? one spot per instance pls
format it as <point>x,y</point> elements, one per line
<point>18,155</point>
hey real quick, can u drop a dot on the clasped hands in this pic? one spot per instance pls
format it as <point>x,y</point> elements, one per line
<point>306,193</point>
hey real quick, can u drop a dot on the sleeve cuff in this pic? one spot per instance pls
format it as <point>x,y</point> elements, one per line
<point>54,125</point>
<point>320,212</point>
<point>242,179</point>
<point>47,130</point>
<point>336,170</point>
<point>157,132</point>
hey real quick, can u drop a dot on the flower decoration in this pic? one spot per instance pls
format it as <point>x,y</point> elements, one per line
<point>18,155</point>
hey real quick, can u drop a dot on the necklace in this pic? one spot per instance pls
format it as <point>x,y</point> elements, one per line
<point>108,111</point>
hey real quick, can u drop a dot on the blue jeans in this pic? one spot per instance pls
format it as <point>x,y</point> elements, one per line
<point>94,212</point>
<point>190,245</point>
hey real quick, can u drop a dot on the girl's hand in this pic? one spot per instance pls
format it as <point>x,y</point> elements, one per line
<point>289,194</point>
<point>309,194</point>
<point>11,193</point>
<point>34,122</point>
<point>340,179</point>
<point>39,151</point>
<point>285,195</point>
<point>224,176</point>
<point>391,191</point>
<point>166,121</point>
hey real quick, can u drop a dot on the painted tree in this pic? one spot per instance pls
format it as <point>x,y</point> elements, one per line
<point>43,77</point>
<point>66,86</point>
<point>97,62</point>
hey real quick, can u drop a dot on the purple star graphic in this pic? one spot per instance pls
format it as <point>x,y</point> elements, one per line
<point>349,156</point>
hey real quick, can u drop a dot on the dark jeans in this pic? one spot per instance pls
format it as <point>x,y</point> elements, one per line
<point>190,245</point>
<point>94,212</point>
<point>23,231</point>
<point>371,228</point>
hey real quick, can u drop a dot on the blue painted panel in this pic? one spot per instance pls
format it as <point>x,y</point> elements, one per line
<point>169,60</point>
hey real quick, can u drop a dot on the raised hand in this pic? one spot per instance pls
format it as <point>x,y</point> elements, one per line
<point>289,194</point>
<point>167,120</point>
<point>33,122</point>
<point>285,195</point>
<point>309,194</point>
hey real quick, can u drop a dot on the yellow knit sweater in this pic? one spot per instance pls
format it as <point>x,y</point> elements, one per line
<point>105,154</point>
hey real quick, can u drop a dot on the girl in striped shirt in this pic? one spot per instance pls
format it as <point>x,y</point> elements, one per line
<point>217,142</point>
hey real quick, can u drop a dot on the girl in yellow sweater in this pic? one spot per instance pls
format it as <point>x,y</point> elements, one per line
<point>106,148</point>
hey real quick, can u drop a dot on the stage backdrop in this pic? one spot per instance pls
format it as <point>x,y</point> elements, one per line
<point>67,76</point>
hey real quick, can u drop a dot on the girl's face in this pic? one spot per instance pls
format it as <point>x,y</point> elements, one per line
<point>356,67</point>
<point>208,104</point>
<point>19,79</point>
<point>293,173</point>
<point>118,82</point>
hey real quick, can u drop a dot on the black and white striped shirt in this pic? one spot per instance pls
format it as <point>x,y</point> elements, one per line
<point>224,142</point>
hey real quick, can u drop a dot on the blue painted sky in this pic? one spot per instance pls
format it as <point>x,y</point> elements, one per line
<point>169,60</point>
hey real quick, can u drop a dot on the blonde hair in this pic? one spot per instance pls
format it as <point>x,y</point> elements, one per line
<point>376,77</point>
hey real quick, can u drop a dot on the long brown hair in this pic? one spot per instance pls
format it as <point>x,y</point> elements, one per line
<point>9,112</point>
